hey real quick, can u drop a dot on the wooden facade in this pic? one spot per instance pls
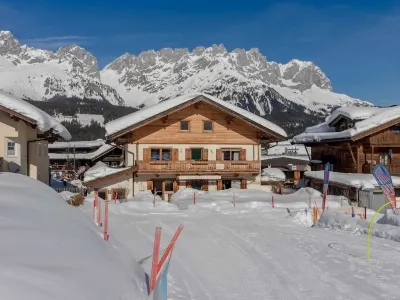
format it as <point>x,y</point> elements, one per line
<point>381,145</point>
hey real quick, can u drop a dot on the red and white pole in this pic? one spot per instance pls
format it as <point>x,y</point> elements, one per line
<point>98,212</point>
<point>170,247</point>
<point>154,266</point>
<point>154,199</point>
<point>273,201</point>
<point>194,198</point>
<point>234,199</point>
<point>106,221</point>
<point>94,206</point>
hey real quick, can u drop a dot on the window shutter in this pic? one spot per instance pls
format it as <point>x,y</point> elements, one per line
<point>188,154</point>
<point>149,184</point>
<point>243,184</point>
<point>204,154</point>
<point>219,184</point>
<point>146,154</point>
<point>219,154</point>
<point>175,154</point>
<point>242,155</point>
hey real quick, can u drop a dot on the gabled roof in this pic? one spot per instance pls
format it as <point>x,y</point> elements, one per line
<point>123,125</point>
<point>87,156</point>
<point>33,115</point>
<point>355,113</point>
<point>387,118</point>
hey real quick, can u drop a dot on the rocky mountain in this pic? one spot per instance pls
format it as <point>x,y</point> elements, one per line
<point>293,95</point>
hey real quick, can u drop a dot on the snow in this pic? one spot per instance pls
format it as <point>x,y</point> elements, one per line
<point>299,157</point>
<point>91,155</point>
<point>272,174</point>
<point>381,117</point>
<point>52,250</point>
<point>281,148</point>
<point>43,120</point>
<point>356,113</point>
<point>148,112</point>
<point>77,144</point>
<point>252,251</point>
<point>360,181</point>
<point>66,195</point>
<point>100,170</point>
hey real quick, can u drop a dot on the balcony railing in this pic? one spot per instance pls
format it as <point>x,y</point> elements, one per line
<point>198,166</point>
<point>394,169</point>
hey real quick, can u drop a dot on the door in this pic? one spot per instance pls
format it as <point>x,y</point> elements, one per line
<point>226,184</point>
<point>196,185</point>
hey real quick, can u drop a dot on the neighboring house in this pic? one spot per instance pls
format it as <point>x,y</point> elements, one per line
<point>355,139</point>
<point>78,156</point>
<point>24,135</point>
<point>195,141</point>
<point>291,159</point>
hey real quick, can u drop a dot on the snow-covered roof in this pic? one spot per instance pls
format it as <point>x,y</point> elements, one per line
<point>294,157</point>
<point>356,112</point>
<point>91,155</point>
<point>100,170</point>
<point>284,147</point>
<point>43,121</point>
<point>323,132</point>
<point>77,144</point>
<point>151,111</point>
<point>272,174</point>
<point>361,181</point>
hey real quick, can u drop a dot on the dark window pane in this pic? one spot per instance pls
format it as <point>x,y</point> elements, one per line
<point>208,126</point>
<point>169,186</point>
<point>226,155</point>
<point>155,154</point>
<point>166,154</point>
<point>196,154</point>
<point>184,126</point>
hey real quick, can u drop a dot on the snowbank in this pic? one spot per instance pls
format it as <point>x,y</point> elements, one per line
<point>150,111</point>
<point>66,195</point>
<point>360,181</point>
<point>272,174</point>
<point>336,220</point>
<point>43,120</point>
<point>100,170</point>
<point>53,250</point>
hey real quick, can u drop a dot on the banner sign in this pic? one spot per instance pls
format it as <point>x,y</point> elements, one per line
<point>384,179</point>
<point>326,183</point>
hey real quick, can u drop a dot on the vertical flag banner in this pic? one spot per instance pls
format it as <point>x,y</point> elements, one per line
<point>326,183</point>
<point>384,179</point>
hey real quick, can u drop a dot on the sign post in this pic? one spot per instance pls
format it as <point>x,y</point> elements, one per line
<point>326,183</point>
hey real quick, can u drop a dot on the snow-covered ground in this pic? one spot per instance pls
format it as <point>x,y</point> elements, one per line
<point>51,250</point>
<point>252,251</point>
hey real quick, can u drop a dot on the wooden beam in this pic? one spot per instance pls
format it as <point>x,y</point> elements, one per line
<point>376,129</point>
<point>165,119</point>
<point>352,155</point>
<point>358,159</point>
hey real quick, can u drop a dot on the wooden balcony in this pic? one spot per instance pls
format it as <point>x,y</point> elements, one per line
<point>394,169</point>
<point>199,167</point>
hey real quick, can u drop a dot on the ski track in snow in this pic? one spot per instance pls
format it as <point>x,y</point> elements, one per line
<point>261,254</point>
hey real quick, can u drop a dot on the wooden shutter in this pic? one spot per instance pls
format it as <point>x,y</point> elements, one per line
<point>175,154</point>
<point>204,154</point>
<point>243,184</point>
<point>149,184</point>
<point>188,154</point>
<point>242,155</point>
<point>146,154</point>
<point>219,184</point>
<point>219,154</point>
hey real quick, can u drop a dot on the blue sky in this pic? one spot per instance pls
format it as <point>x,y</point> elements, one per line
<point>356,43</point>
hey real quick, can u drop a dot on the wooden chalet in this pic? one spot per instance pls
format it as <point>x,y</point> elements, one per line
<point>195,141</point>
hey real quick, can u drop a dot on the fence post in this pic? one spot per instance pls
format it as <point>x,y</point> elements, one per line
<point>365,213</point>
<point>273,201</point>
<point>98,212</point>
<point>234,199</point>
<point>194,198</point>
<point>106,221</point>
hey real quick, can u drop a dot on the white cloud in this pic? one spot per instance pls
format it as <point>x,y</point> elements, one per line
<point>54,42</point>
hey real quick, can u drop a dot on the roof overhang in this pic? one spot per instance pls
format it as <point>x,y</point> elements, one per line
<point>15,115</point>
<point>114,136</point>
<point>95,182</point>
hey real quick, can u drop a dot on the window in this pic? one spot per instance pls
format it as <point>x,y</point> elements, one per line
<point>384,158</point>
<point>230,154</point>
<point>160,154</point>
<point>11,148</point>
<point>208,126</point>
<point>196,154</point>
<point>349,125</point>
<point>342,126</point>
<point>169,185</point>
<point>114,164</point>
<point>184,125</point>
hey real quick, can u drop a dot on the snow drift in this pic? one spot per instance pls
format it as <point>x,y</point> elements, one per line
<point>52,250</point>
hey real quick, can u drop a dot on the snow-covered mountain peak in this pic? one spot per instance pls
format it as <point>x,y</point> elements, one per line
<point>8,43</point>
